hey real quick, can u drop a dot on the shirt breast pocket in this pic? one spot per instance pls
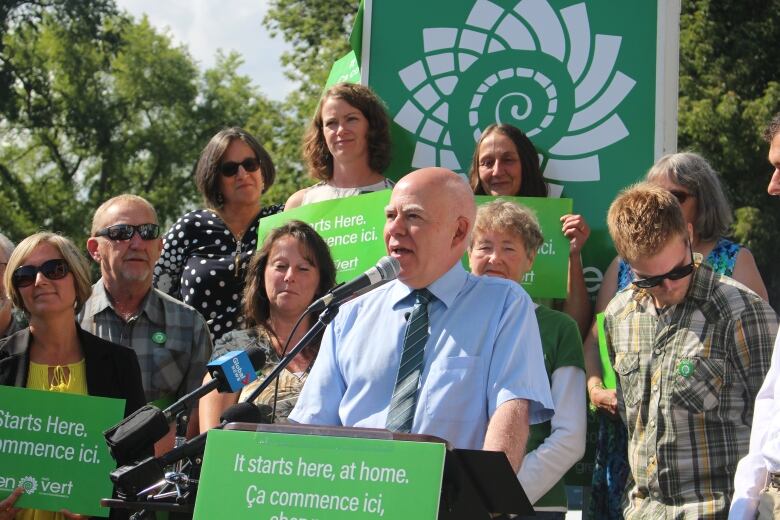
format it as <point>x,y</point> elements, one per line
<point>627,367</point>
<point>455,390</point>
<point>698,382</point>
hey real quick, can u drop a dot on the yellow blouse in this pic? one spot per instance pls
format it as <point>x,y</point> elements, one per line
<point>72,381</point>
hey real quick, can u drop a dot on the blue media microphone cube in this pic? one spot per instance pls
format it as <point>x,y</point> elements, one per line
<point>234,369</point>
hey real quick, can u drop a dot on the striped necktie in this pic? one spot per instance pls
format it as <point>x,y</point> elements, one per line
<point>404,400</point>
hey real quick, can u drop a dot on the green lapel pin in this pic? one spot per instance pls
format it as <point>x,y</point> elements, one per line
<point>685,368</point>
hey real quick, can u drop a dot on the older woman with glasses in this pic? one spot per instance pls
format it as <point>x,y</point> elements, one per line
<point>690,178</point>
<point>48,279</point>
<point>504,243</point>
<point>206,251</point>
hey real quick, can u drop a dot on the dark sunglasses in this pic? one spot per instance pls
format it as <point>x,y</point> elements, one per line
<point>681,196</point>
<point>52,269</point>
<point>230,168</point>
<point>126,231</point>
<point>675,274</point>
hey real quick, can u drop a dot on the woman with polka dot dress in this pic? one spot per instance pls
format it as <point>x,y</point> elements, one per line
<point>206,251</point>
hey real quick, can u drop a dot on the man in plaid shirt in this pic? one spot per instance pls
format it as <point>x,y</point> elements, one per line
<point>691,349</point>
<point>169,337</point>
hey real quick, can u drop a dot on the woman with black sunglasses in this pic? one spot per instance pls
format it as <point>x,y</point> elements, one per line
<point>690,178</point>
<point>206,251</point>
<point>48,279</point>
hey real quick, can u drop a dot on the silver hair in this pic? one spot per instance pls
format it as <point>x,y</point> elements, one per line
<point>6,246</point>
<point>693,172</point>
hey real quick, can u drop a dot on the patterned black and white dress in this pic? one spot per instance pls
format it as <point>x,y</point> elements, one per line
<point>203,265</point>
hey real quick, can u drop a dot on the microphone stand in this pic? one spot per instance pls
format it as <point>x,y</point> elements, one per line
<point>324,319</point>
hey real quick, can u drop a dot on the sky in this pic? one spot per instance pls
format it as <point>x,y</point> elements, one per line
<point>204,26</point>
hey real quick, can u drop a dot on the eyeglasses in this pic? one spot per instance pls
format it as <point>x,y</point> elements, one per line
<point>230,168</point>
<point>675,274</point>
<point>25,275</point>
<point>681,196</point>
<point>126,231</point>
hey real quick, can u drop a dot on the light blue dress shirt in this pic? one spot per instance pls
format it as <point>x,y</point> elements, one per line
<point>484,349</point>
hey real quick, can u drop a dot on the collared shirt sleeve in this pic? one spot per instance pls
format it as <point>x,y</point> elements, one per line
<point>517,365</point>
<point>321,396</point>
<point>201,353</point>
<point>752,469</point>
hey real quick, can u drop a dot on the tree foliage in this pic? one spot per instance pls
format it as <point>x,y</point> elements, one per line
<point>728,93</point>
<point>99,104</point>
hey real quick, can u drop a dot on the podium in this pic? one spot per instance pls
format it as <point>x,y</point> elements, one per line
<point>475,483</point>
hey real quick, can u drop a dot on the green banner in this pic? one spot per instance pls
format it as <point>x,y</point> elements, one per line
<point>51,444</point>
<point>353,228</point>
<point>592,83</point>
<point>275,476</point>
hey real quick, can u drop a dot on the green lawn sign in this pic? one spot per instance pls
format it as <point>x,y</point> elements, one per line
<point>276,476</point>
<point>51,444</point>
<point>592,83</point>
<point>353,228</point>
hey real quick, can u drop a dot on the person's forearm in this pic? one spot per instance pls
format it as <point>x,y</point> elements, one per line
<point>212,405</point>
<point>508,431</point>
<point>577,304</point>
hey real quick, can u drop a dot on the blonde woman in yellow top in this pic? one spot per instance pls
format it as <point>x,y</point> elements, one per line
<point>48,278</point>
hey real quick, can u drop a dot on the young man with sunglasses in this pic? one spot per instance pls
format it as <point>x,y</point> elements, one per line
<point>169,337</point>
<point>690,349</point>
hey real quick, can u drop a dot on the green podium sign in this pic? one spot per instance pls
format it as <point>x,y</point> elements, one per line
<point>281,476</point>
<point>51,444</point>
<point>353,229</point>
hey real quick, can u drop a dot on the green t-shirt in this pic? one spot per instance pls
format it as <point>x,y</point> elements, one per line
<point>562,346</point>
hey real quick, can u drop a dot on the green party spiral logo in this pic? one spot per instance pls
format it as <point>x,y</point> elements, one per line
<point>29,484</point>
<point>531,66</point>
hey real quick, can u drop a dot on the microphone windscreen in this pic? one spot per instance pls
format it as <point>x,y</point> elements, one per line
<point>242,412</point>
<point>266,413</point>
<point>234,370</point>
<point>257,357</point>
<point>388,267</point>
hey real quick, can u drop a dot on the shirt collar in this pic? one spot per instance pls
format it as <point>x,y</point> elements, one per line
<point>445,288</point>
<point>100,301</point>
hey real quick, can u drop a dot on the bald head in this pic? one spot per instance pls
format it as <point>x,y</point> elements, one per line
<point>440,185</point>
<point>429,219</point>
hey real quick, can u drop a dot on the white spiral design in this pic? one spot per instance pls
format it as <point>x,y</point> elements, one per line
<point>532,66</point>
<point>29,484</point>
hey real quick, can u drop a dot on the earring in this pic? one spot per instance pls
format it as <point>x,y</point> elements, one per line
<point>220,199</point>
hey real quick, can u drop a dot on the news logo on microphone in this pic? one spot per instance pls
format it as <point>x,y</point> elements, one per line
<point>236,369</point>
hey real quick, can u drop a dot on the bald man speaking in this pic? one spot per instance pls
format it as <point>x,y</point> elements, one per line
<point>438,351</point>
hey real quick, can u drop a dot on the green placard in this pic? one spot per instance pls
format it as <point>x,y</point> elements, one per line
<point>549,276</point>
<point>345,70</point>
<point>608,373</point>
<point>51,444</point>
<point>276,476</point>
<point>353,229</point>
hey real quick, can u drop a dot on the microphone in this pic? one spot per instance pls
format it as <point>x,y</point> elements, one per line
<point>130,480</point>
<point>137,432</point>
<point>230,372</point>
<point>386,269</point>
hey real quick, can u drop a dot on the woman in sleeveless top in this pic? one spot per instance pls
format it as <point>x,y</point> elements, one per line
<point>346,147</point>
